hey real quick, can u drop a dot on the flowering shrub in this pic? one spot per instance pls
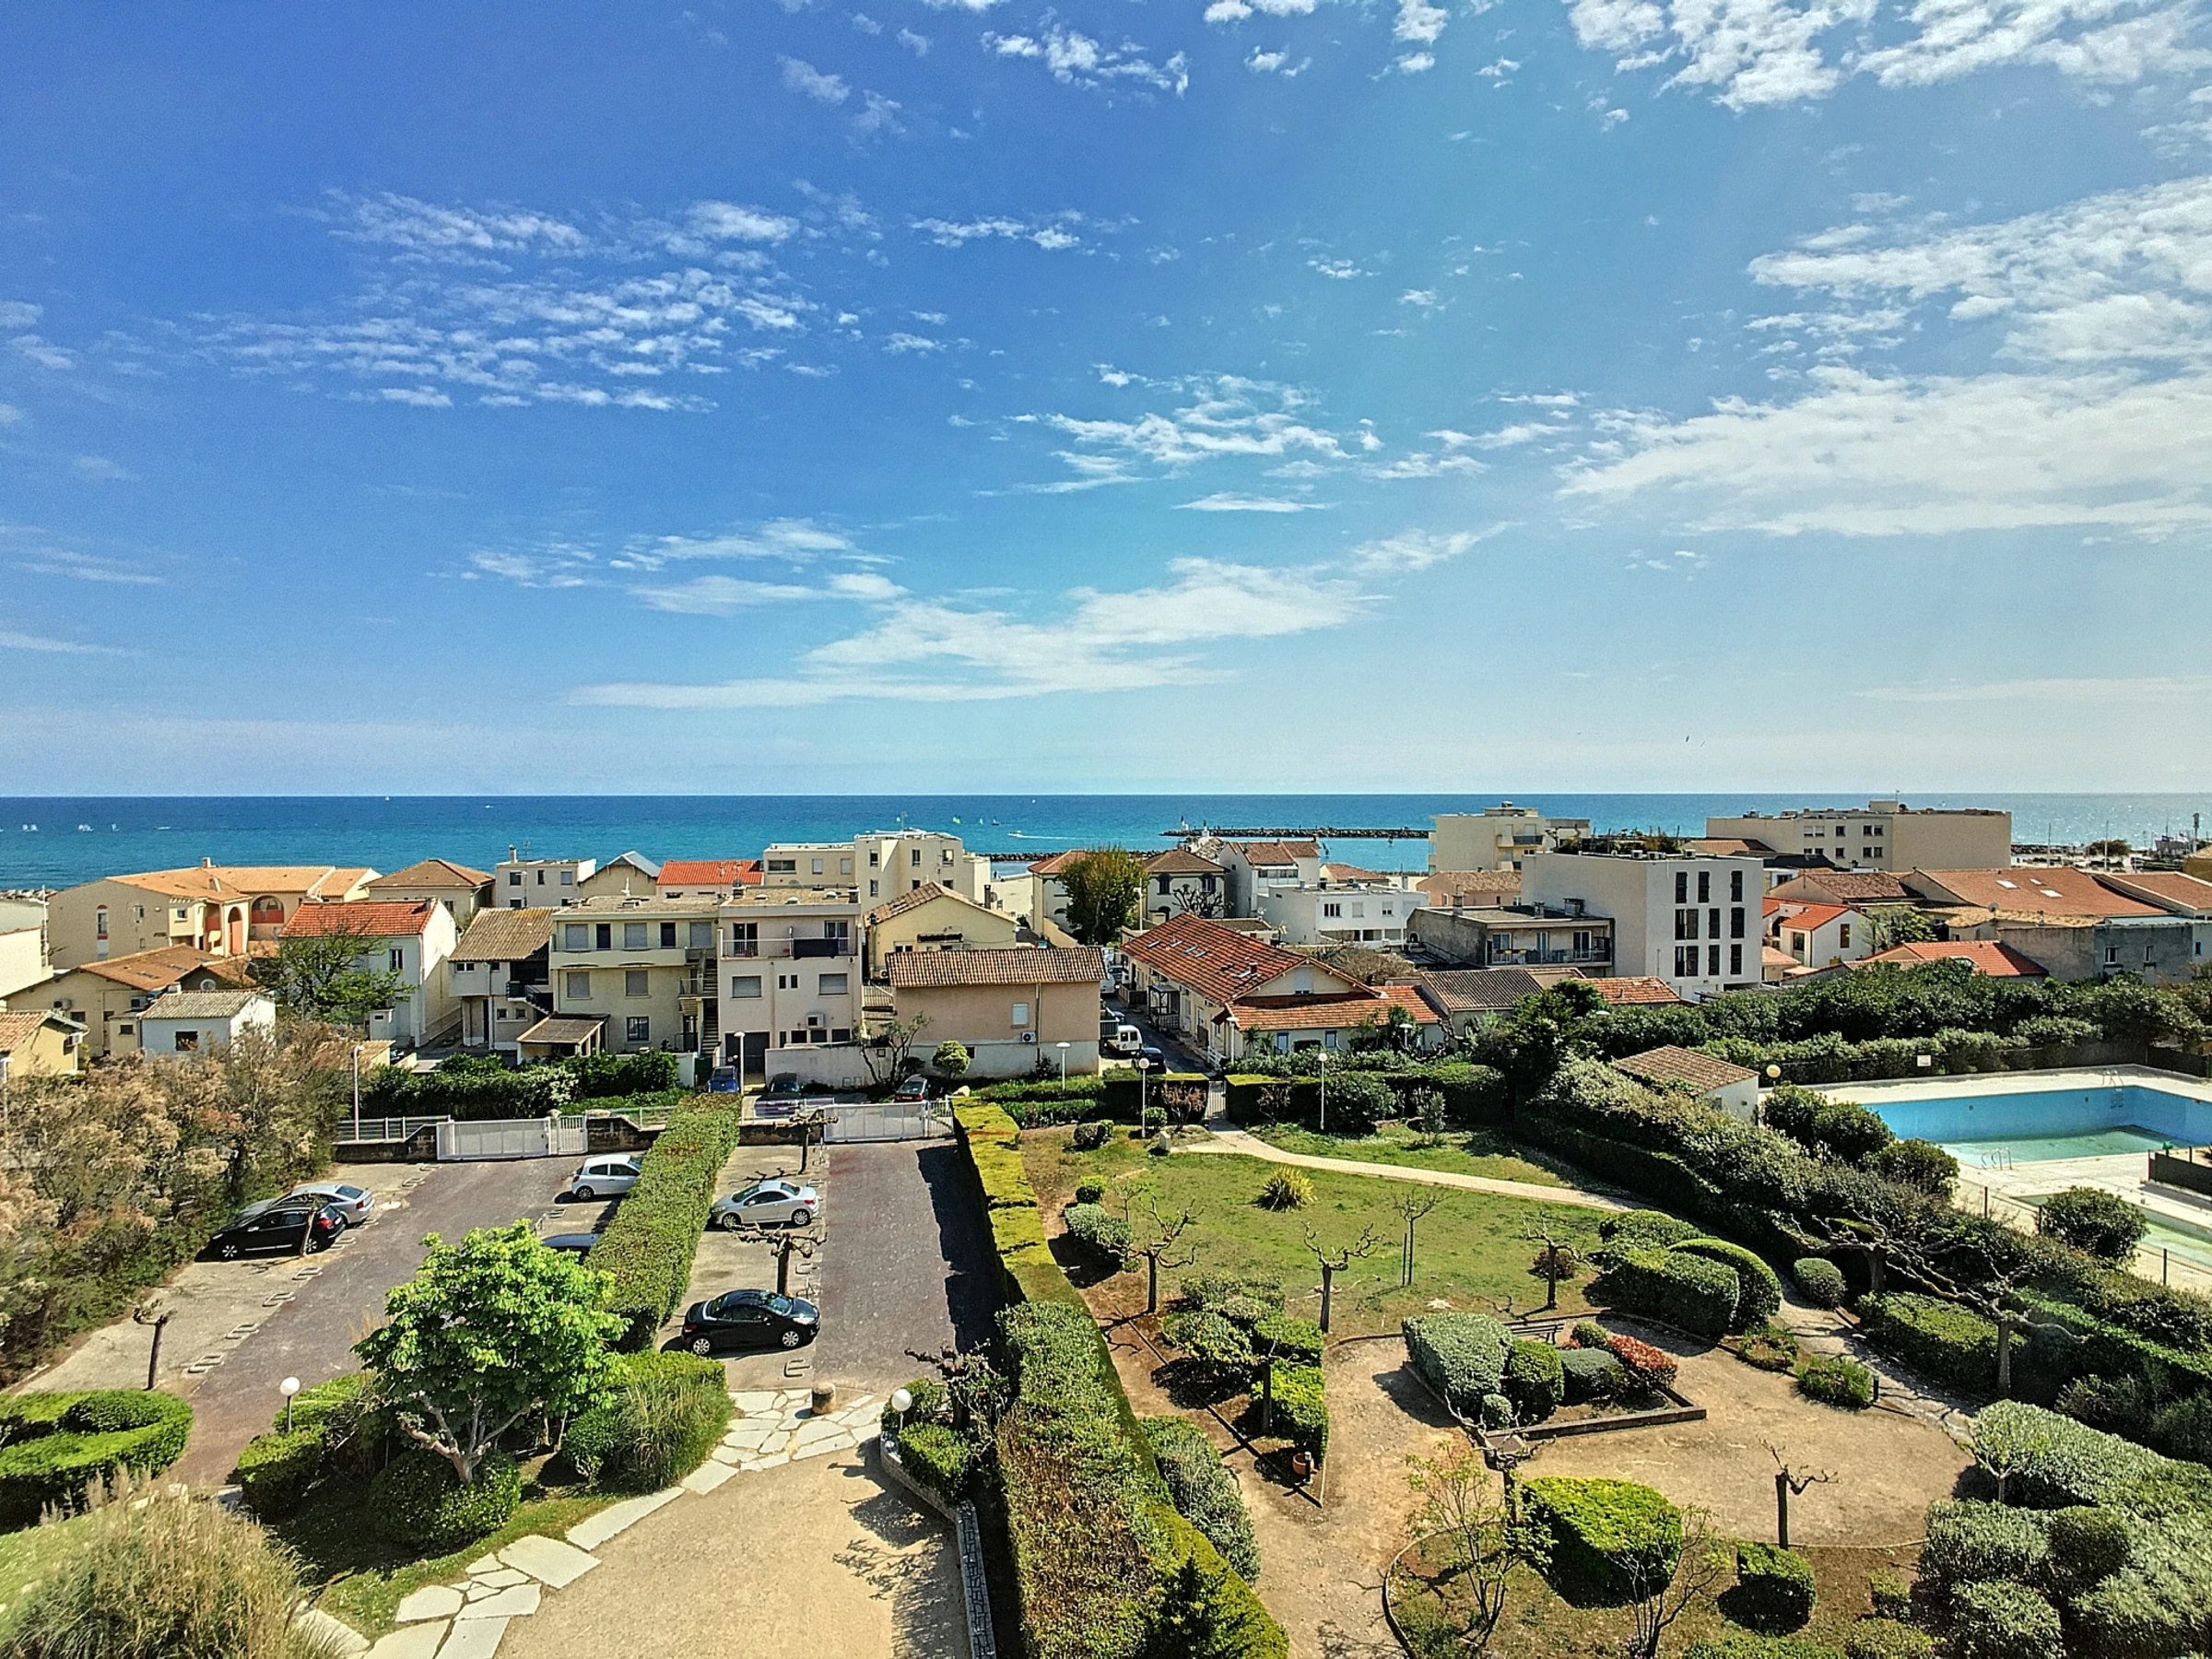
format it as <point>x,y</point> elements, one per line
<point>1648,1367</point>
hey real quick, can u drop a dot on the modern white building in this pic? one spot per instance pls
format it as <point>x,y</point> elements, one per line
<point>790,976</point>
<point>1694,923</point>
<point>880,864</point>
<point>1255,867</point>
<point>1498,838</point>
<point>1883,835</point>
<point>520,883</point>
<point>195,1022</point>
<point>1339,912</point>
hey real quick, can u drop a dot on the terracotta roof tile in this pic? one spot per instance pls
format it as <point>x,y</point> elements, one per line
<point>1478,990</point>
<point>711,872</point>
<point>505,936</point>
<point>1671,1065</point>
<point>1470,884</point>
<point>432,872</point>
<point>2032,889</point>
<point>929,969</point>
<point>1992,956</point>
<point>1218,964</point>
<point>1849,887</point>
<point>16,1029</point>
<point>157,970</point>
<point>1637,990</point>
<point>1180,860</point>
<point>1275,852</point>
<point>915,899</point>
<point>204,1005</point>
<point>1329,1012</point>
<point>367,918</point>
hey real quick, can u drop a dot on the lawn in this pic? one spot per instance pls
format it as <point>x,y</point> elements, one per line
<point>1470,1251</point>
<point>27,1557</point>
<point>355,1575</point>
<point>1477,1152</point>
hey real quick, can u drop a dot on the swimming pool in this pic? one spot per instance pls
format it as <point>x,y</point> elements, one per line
<point>2032,1126</point>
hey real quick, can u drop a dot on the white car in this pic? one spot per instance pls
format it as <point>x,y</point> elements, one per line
<point>601,1178</point>
<point>767,1203</point>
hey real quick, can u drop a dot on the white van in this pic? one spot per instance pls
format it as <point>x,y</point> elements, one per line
<point>601,1178</point>
<point>1127,1041</point>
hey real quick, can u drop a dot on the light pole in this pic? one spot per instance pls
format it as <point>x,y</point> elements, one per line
<point>902,1402</point>
<point>1321,1062</point>
<point>1063,1048</point>
<point>1143,1066</point>
<point>357,1089</point>
<point>288,1388</point>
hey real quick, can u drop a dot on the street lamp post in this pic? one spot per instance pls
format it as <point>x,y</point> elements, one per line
<point>288,1388</point>
<point>1063,1048</point>
<point>357,1089</point>
<point>1143,1066</point>
<point>1321,1059</point>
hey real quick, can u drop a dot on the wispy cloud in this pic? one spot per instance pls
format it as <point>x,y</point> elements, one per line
<point>1053,233</point>
<point>103,469</point>
<point>1228,502</point>
<point>1224,416</point>
<point>1077,59</point>
<point>803,77</point>
<point>793,540</point>
<point>1412,551</point>
<point>2089,693</point>
<point>1277,62</point>
<point>13,640</point>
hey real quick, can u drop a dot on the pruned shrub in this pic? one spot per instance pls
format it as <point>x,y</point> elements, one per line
<point>2090,1218</point>
<point>649,1245</point>
<point>1890,1591</point>
<point>1289,1338</point>
<point>1773,1589</point>
<point>661,1416</point>
<point>1970,1542</point>
<point>939,1457</point>
<point>274,1471</point>
<point>2001,1620</point>
<point>1592,1375</point>
<point>1536,1379</point>
<point>2051,1461</point>
<point>1494,1412</point>
<point>1819,1280</point>
<point>1589,1333</point>
<point>1089,1137</point>
<point>1728,1643</point>
<point>1203,1489</point>
<point>1302,1409</point>
<point>57,1444</point>
<point>1768,1347</point>
<point>1642,1230</point>
<point>1696,1294</point>
<point>1216,1345</point>
<point>1609,1538</point>
<point>1920,1165</point>
<point>1286,1189</point>
<point>1650,1368</point>
<point>2087,1546</point>
<point>1460,1356</point>
<point>1758,1296</point>
<point>416,1500</point>
<point>1833,1380</point>
<point>168,1574</point>
<point>1887,1638</point>
<point>1942,1341</point>
<point>1100,1235</point>
<point>1090,1192</point>
<point>1216,1291</point>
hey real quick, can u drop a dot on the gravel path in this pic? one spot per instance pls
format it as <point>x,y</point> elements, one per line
<point>1230,1139</point>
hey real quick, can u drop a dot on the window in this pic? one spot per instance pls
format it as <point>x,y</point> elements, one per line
<point>787,982</point>
<point>638,1027</point>
<point>2112,955</point>
<point>699,935</point>
<point>782,867</point>
<point>944,855</point>
<point>1735,961</point>
<point>1686,962</point>
<point>1736,886</point>
<point>1020,1016</point>
<point>1681,886</point>
<point>745,938</point>
<point>603,935</point>
<point>845,867</point>
<point>744,985</point>
<point>1713,917</point>
<point>875,862</point>
<point>830,984</point>
<point>514,904</point>
<point>398,959</point>
<point>125,1029</point>
<point>541,878</point>
<point>1712,960</point>
<point>1704,887</point>
<point>567,878</point>
<point>841,1033</point>
<point>667,935</point>
<point>636,982</point>
<point>1736,923</point>
<point>872,887</point>
<point>2145,956</point>
<point>818,866</point>
<point>1358,908</point>
<point>514,879</point>
<point>1685,925</point>
<point>1163,886</point>
<point>187,1041</point>
<point>99,922</point>
<point>1332,910</point>
<point>580,985</point>
<point>1206,884</point>
<point>633,935</point>
<point>1843,937</point>
<point>576,936</point>
<point>916,856</point>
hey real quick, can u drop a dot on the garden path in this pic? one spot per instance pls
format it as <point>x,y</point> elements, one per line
<point>1832,1331</point>
<point>1227,1138</point>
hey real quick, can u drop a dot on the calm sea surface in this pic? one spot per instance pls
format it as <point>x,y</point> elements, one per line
<point>56,842</point>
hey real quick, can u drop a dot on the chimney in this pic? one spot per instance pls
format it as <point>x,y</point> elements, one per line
<point>511,859</point>
<point>206,864</point>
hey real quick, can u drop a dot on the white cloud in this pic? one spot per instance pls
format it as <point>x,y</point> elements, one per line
<point>799,76</point>
<point>430,230</point>
<point>879,116</point>
<point>1075,59</point>
<point>1412,551</point>
<point>1424,298</point>
<point>2085,692</point>
<point>101,469</point>
<point>1336,270</point>
<point>19,313</point>
<point>11,640</point>
<point>796,541</point>
<point>916,43</point>
<point>969,6</point>
<point>1419,21</point>
<point>1052,232</point>
<point>721,595</point>
<point>903,344</point>
<point>9,414</point>
<point>1236,11</point>
<point>1277,62</point>
<point>553,565</point>
<point>729,222</point>
<point>1417,63</point>
<point>1229,503</point>
<point>1423,464</point>
<point>1227,416</point>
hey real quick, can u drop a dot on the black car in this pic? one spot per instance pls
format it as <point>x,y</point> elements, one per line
<point>575,1244</point>
<point>1156,1055</point>
<point>744,1319</point>
<point>277,1225</point>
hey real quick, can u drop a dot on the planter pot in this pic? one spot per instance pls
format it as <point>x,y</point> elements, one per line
<point>1302,1465</point>
<point>825,1396</point>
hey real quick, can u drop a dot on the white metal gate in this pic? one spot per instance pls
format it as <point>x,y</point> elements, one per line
<point>890,1122</point>
<point>511,1137</point>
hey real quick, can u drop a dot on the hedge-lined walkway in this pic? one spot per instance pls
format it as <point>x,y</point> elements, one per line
<point>1226,1137</point>
<point>1832,1331</point>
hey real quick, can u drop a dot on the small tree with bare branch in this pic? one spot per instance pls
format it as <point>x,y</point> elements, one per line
<point>1789,1484</point>
<point>888,1050</point>
<point>1157,1245</point>
<point>1479,1539</point>
<point>1411,1205</point>
<point>1561,1251</point>
<point>1661,1589</point>
<point>1333,1263</point>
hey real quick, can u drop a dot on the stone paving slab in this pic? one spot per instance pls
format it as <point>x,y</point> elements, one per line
<point>547,1560</point>
<point>595,1530</point>
<point>432,1601</point>
<point>335,1633</point>
<point>516,1603</point>
<point>410,1641</point>
<point>473,1638</point>
<point>707,1476</point>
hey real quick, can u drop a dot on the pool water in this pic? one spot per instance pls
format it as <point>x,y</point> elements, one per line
<point>2045,1149</point>
<point>2059,1123</point>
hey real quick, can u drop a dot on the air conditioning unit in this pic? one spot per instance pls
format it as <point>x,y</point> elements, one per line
<point>815,1019</point>
<point>1029,1036</point>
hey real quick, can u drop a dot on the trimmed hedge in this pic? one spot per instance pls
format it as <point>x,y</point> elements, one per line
<point>1298,1341</point>
<point>1474,1094</point>
<point>1745,1644</point>
<point>1203,1490</point>
<point>992,1141</point>
<point>274,1471</point>
<point>1887,1638</point>
<point>1759,1287</point>
<point>1819,1281</point>
<point>1694,1293</point>
<point>1302,1409</point>
<point>2065,1462</point>
<point>1773,1588</point>
<point>1608,1537</point>
<point>418,1500</point>
<point>59,1443</point>
<point>661,1416</point>
<point>1943,1341</point>
<point>1998,1620</point>
<point>1970,1542</point>
<point>1103,1237</point>
<point>1536,1379</point>
<point>1591,1375</point>
<point>1461,1356</point>
<point>649,1245</point>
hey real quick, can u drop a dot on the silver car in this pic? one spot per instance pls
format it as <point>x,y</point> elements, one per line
<point>601,1178</point>
<point>354,1204</point>
<point>767,1203</point>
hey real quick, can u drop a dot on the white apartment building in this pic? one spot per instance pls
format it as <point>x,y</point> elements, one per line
<point>879,864</point>
<point>790,972</point>
<point>1694,923</point>
<point>1339,912</point>
<point>1884,835</point>
<point>519,883</point>
<point>1498,838</point>
<point>1256,867</point>
<point>410,939</point>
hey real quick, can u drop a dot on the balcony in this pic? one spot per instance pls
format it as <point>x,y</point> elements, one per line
<point>1546,959</point>
<point>756,951</point>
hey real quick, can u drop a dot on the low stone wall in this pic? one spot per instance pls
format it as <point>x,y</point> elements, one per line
<point>419,1147</point>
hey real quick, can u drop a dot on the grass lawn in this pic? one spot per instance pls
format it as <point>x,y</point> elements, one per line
<point>1539,1625</point>
<point>1457,1152</point>
<point>28,1556</point>
<point>356,1575</point>
<point>1468,1249</point>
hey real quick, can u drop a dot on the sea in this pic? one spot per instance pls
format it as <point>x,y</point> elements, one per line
<point>58,841</point>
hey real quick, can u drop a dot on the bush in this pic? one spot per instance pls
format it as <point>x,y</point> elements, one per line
<point>1212,1342</point>
<point>1302,1409</point>
<point>1997,1620</point>
<point>1606,1536</point>
<point>1691,1292</point>
<point>1460,1356</point>
<point>1759,1290</point>
<point>1217,1290</point>
<point>1768,1347</point>
<point>939,1457</point>
<point>1970,1542</point>
<point>1649,1368</point>
<point>1887,1638</point>
<point>1919,1164</point>
<point>2087,1546</point>
<point>1773,1588</point>
<point>59,1443</point>
<point>274,1471</point>
<point>2057,1463</point>
<point>418,1500</point>
<point>1943,1342</point>
<point>1834,1381</point>
<point>1592,1375</point>
<point>1203,1491</point>
<point>2090,1218</point>
<point>1297,1340</point>
<point>1496,1412</point>
<point>1089,1137</point>
<point>1820,1279</point>
<point>1725,1643</point>
<point>1642,1229</point>
<point>1356,1102</point>
<point>169,1575</point>
<point>1103,1237</point>
<point>1286,1191</point>
<point>1589,1333</point>
<point>648,1247</point>
<point>660,1418</point>
<point>1892,1593</point>
<point>1536,1379</point>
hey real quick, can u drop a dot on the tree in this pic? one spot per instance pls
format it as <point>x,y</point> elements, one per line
<point>1395,1033</point>
<point>952,1058</point>
<point>2004,1445</point>
<point>1560,1252</point>
<point>1661,1586</point>
<point>889,1051</point>
<point>321,976</point>
<point>1539,1034</point>
<point>1411,1205</point>
<point>1193,901</point>
<point>1332,1264</point>
<point>487,1332</point>
<point>1427,1109</point>
<point>1479,1539</point>
<point>1158,1246</point>
<point>1889,924</point>
<point>1105,889</point>
<point>1789,1484</point>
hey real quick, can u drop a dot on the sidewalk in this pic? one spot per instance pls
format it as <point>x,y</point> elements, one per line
<point>1227,1138</point>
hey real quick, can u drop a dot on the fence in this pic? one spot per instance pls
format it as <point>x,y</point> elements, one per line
<point>2154,1261</point>
<point>890,1122</point>
<point>381,1129</point>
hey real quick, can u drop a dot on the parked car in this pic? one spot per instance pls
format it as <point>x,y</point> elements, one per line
<point>575,1244</point>
<point>1127,1040</point>
<point>744,1319</point>
<point>356,1205</point>
<point>912,1091</point>
<point>274,1225</point>
<point>601,1178</point>
<point>767,1203</point>
<point>783,1085</point>
<point>1156,1054</point>
<point>724,1081</point>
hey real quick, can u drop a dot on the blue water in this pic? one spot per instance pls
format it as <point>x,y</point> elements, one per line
<point>2050,1123</point>
<point>387,832</point>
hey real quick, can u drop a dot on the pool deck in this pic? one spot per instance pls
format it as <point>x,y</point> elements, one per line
<point>1952,1085</point>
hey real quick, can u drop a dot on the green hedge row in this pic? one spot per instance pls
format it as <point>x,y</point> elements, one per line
<point>648,1247</point>
<point>58,1444</point>
<point>479,1087</point>
<point>1203,1491</point>
<point>1610,1539</point>
<point>1461,1356</point>
<point>1692,1292</point>
<point>1472,1095</point>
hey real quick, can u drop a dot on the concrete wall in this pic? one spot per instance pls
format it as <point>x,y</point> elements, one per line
<point>2088,953</point>
<point>22,959</point>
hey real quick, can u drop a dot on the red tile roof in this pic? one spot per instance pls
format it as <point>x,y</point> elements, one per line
<point>1180,861</point>
<point>1055,862</point>
<point>1984,956</point>
<point>159,970</point>
<point>365,918</point>
<point>711,872</point>
<point>1486,884</point>
<point>1809,916</point>
<point>2169,886</point>
<point>1275,852</point>
<point>1849,887</point>
<point>1671,1065</point>
<point>1333,1011</point>
<point>927,969</point>
<point>1212,960</point>
<point>1638,989</point>
<point>2033,889</point>
<point>432,872</point>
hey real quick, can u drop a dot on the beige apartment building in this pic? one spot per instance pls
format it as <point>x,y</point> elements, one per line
<point>1884,835</point>
<point>462,890</point>
<point>880,864</point>
<point>1014,1011</point>
<point>934,918</point>
<point>220,908</point>
<point>642,967</point>
<point>519,882</point>
<point>109,998</point>
<point>790,979</point>
<point>1498,838</point>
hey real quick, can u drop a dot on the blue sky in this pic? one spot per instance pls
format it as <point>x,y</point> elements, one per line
<point>1266,393</point>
